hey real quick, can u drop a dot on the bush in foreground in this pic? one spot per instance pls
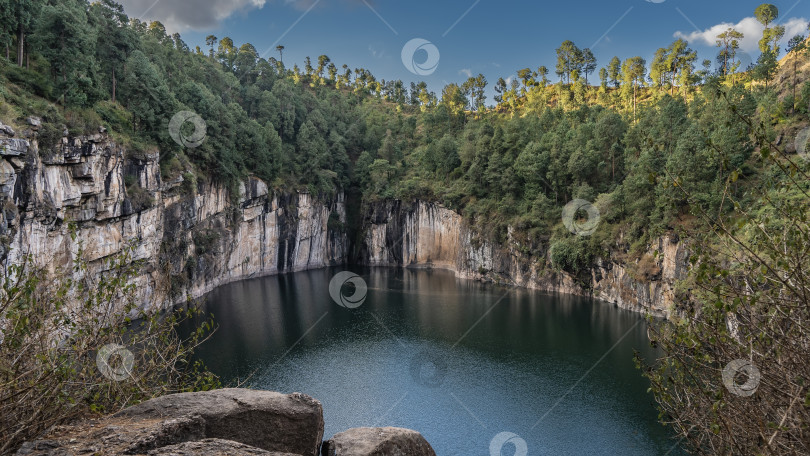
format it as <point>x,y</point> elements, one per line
<point>72,347</point>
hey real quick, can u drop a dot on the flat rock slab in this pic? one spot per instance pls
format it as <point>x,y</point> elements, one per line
<point>274,422</point>
<point>386,441</point>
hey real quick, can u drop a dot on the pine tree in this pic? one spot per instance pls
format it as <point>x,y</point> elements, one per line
<point>614,71</point>
<point>66,39</point>
<point>115,40</point>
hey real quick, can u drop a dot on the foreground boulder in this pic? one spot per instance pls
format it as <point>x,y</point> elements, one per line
<point>216,421</point>
<point>386,441</point>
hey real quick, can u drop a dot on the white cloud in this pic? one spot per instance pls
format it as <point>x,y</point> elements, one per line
<point>466,72</point>
<point>180,15</point>
<point>749,27</point>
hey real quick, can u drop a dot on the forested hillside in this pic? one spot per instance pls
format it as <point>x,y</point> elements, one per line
<point>324,127</point>
<point>710,150</point>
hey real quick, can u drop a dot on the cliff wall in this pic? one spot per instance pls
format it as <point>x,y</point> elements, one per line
<point>85,192</point>
<point>421,234</point>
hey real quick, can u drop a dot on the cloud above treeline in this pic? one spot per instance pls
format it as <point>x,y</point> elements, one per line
<point>749,27</point>
<point>181,15</point>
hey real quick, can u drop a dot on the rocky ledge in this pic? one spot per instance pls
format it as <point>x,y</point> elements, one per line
<point>232,422</point>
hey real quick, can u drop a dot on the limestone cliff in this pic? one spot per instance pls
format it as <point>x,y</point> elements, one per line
<point>419,234</point>
<point>191,238</point>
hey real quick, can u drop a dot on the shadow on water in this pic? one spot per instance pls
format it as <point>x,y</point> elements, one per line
<point>458,360</point>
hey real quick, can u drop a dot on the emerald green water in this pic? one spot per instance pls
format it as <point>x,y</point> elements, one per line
<point>457,360</point>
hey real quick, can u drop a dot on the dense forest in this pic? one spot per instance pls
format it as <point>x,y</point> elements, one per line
<point>654,145</point>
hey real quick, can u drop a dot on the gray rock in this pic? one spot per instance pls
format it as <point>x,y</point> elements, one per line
<point>7,178</point>
<point>386,441</point>
<point>34,122</point>
<point>252,422</point>
<point>213,447</point>
<point>272,421</point>
<point>13,147</point>
<point>82,170</point>
<point>7,129</point>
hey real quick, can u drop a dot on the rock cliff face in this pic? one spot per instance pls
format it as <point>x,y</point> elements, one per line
<point>429,235</point>
<point>86,193</point>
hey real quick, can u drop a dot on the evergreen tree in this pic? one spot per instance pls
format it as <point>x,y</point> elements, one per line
<point>766,13</point>
<point>569,60</point>
<point>796,46</point>
<point>614,70</point>
<point>729,43</point>
<point>24,16</point>
<point>633,71</point>
<point>115,40</point>
<point>588,63</point>
<point>66,40</point>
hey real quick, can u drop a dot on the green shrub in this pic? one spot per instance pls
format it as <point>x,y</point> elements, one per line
<point>571,254</point>
<point>139,197</point>
<point>35,82</point>
<point>57,332</point>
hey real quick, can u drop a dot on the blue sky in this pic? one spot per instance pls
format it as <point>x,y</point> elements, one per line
<point>493,37</point>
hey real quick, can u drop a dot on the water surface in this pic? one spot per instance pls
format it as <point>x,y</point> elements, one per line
<point>457,360</point>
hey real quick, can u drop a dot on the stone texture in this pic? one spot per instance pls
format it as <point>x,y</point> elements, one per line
<point>386,441</point>
<point>13,146</point>
<point>213,447</point>
<point>237,419</point>
<point>6,129</point>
